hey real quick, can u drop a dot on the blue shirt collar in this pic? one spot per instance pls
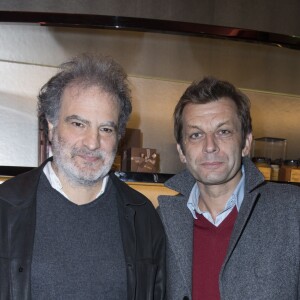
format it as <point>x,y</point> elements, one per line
<point>235,199</point>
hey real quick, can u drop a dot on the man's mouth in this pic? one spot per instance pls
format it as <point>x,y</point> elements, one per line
<point>90,158</point>
<point>212,164</point>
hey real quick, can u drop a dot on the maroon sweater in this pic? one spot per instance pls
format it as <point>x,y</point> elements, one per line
<point>209,250</point>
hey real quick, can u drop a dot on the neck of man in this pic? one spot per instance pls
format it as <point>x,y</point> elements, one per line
<point>81,194</point>
<point>213,198</point>
<point>76,192</point>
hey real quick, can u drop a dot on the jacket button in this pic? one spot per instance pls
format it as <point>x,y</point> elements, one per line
<point>21,269</point>
<point>185,298</point>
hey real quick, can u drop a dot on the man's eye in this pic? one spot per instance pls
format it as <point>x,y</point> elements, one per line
<point>107,130</point>
<point>224,132</point>
<point>77,124</point>
<point>195,135</point>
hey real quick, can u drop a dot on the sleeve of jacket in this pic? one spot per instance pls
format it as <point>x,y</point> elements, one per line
<point>151,254</point>
<point>299,286</point>
<point>151,266</point>
<point>144,244</point>
<point>159,250</point>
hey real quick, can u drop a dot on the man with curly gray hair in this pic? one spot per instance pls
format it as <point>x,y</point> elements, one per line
<point>73,229</point>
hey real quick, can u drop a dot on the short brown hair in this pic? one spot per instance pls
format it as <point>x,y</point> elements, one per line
<point>208,90</point>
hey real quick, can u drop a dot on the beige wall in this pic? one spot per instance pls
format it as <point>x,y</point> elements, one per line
<point>161,56</point>
<point>160,68</point>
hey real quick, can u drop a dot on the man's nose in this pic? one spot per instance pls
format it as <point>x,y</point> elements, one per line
<point>92,139</point>
<point>210,144</point>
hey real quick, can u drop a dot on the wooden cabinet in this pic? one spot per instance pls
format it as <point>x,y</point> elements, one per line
<point>151,190</point>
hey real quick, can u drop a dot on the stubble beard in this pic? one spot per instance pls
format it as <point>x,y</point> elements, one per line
<point>75,174</point>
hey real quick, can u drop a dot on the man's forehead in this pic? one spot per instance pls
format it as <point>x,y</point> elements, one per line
<point>223,106</point>
<point>75,94</point>
<point>213,114</point>
<point>74,89</point>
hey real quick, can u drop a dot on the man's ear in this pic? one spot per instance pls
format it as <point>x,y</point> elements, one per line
<point>181,155</point>
<point>50,131</point>
<point>248,143</point>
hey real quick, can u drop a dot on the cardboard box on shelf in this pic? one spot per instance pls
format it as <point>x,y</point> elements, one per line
<point>132,138</point>
<point>140,160</point>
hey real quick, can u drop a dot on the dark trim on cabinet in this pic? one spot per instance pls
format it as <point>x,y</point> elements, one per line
<point>150,25</point>
<point>124,176</point>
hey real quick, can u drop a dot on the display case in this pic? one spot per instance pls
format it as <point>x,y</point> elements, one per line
<point>271,149</point>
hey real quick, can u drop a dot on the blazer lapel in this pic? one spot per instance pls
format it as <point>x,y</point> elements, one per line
<point>253,179</point>
<point>242,220</point>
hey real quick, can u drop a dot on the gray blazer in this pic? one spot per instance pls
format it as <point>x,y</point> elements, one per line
<point>263,258</point>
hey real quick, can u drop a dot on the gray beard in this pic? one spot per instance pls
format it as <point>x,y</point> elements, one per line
<point>74,175</point>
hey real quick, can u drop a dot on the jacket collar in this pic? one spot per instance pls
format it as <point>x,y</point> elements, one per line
<point>21,190</point>
<point>253,177</point>
<point>128,195</point>
<point>182,182</point>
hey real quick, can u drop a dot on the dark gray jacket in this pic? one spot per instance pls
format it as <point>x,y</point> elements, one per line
<point>263,259</point>
<point>141,229</point>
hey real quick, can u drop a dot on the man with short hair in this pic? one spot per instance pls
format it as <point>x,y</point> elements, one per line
<point>70,229</point>
<point>230,234</point>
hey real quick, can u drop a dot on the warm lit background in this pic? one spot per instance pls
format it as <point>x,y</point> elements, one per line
<point>160,67</point>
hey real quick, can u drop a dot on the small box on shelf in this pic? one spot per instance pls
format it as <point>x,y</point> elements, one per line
<point>140,160</point>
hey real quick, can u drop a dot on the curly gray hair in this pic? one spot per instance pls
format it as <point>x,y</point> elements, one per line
<point>87,70</point>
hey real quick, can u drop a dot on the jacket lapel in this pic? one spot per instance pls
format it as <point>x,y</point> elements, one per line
<point>241,222</point>
<point>253,179</point>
